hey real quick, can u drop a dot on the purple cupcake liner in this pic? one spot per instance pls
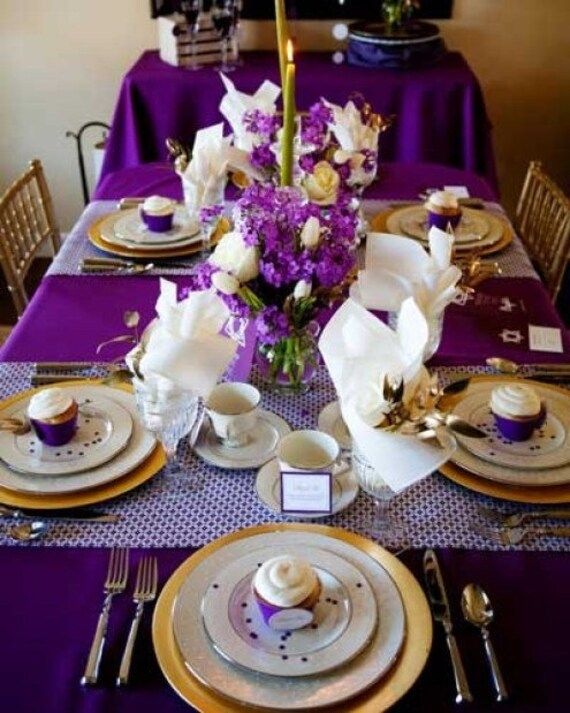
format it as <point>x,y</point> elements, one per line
<point>442,221</point>
<point>283,618</point>
<point>55,434</point>
<point>157,223</point>
<point>520,430</point>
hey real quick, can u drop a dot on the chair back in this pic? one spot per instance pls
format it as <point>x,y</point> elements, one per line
<point>27,221</point>
<point>543,223</point>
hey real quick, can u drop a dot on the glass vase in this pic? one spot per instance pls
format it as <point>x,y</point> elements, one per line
<point>289,365</point>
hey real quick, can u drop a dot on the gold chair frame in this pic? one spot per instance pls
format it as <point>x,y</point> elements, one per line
<point>27,221</point>
<point>543,222</point>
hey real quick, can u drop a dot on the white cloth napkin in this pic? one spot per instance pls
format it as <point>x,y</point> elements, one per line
<point>204,179</point>
<point>235,104</point>
<point>183,347</point>
<point>398,267</point>
<point>359,350</point>
<point>350,131</point>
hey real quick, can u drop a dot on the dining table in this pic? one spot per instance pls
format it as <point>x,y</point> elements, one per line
<point>52,588</point>
<point>439,110</point>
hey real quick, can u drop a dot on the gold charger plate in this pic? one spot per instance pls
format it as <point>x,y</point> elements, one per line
<point>390,689</point>
<point>113,489</point>
<point>96,239</point>
<point>378,225</point>
<point>543,495</point>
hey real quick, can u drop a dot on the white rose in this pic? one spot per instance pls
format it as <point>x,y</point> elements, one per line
<point>234,256</point>
<point>322,184</point>
<point>311,232</point>
<point>225,283</point>
<point>302,289</point>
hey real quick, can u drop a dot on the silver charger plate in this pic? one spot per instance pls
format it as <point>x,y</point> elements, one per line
<point>128,230</point>
<point>276,692</point>
<point>136,450</point>
<point>103,430</point>
<point>330,418</point>
<point>260,448</point>
<point>267,484</point>
<point>548,447</point>
<point>344,617</point>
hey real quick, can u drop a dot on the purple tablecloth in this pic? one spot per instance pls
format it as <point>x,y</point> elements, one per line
<point>441,115</point>
<point>396,181</point>
<point>52,598</point>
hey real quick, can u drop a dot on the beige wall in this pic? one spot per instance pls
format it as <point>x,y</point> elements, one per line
<point>62,61</point>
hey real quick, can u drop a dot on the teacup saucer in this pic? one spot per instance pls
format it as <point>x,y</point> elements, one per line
<point>345,490</point>
<point>260,448</point>
<point>330,421</point>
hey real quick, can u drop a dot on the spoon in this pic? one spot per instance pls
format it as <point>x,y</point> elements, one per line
<point>27,531</point>
<point>507,366</point>
<point>477,610</point>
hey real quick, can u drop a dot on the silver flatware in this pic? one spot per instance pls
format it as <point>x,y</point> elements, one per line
<point>146,586</point>
<point>441,613</point>
<point>27,531</point>
<point>507,366</point>
<point>166,262</point>
<point>477,610</point>
<point>514,535</point>
<point>115,583</point>
<point>69,515</point>
<point>136,269</point>
<point>47,366</point>
<point>46,379</point>
<point>519,518</point>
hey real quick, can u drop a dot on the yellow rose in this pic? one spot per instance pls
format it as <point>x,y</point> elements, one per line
<point>322,185</point>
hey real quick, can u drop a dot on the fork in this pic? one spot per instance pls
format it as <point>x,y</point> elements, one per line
<point>515,535</point>
<point>115,583</point>
<point>145,591</point>
<point>515,519</point>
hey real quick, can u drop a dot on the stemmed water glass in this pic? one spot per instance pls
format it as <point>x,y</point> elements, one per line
<point>224,19</point>
<point>170,416</point>
<point>191,10</point>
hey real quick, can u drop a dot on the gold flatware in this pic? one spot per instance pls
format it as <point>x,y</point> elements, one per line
<point>515,535</point>
<point>15,425</point>
<point>477,610</point>
<point>128,203</point>
<point>134,269</point>
<point>115,583</point>
<point>146,586</point>
<point>507,366</point>
<point>520,518</point>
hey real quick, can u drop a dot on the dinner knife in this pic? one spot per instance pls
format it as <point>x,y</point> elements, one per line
<point>441,613</point>
<point>70,514</point>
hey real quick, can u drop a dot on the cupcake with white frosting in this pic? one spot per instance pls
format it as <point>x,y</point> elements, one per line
<point>157,213</point>
<point>442,210</point>
<point>53,416</point>
<point>286,589</point>
<point>518,410</point>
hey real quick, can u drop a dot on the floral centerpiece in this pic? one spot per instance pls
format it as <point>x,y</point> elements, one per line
<point>285,260</point>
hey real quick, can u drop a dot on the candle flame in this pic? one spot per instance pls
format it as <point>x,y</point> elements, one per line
<point>289,51</point>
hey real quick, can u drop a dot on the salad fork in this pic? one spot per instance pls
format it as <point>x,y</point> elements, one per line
<point>115,583</point>
<point>520,518</point>
<point>515,535</point>
<point>145,591</point>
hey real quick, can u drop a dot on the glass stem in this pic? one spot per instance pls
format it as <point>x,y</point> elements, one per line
<point>381,511</point>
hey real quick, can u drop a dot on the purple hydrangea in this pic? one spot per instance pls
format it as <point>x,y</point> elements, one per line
<point>262,156</point>
<point>209,212</point>
<point>272,325</point>
<point>260,123</point>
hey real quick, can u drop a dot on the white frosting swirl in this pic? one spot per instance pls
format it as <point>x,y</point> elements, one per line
<point>285,581</point>
<point>49,403</point>
<point>518,400</point>
<point>158,205</point>
<point>443,199</point>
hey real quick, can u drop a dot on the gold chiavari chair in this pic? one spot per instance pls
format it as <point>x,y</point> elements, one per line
<point>543,223</point>
<point>27,221</point>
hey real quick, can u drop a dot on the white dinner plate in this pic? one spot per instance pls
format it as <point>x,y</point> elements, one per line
<point>128,231</point>
<point>136,450</point>
<point>268,486</point>
<point>548,447</point>
<point>280,692</point>
<point>259,449</point>
<point>330,418</point>
<point>344,617</point>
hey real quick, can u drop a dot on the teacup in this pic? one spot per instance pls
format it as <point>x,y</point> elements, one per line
<point>233,411</point>
<point>308,451</point>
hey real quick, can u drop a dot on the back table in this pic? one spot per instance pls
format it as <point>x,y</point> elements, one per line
<point>51,592</point>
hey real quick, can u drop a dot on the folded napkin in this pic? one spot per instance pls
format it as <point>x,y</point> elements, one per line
<point>235,104</point>
<point>398,267</point>
<point>204,179</point>
<point>183,349</point>
<point>359,351</point>
<point>350,131</point>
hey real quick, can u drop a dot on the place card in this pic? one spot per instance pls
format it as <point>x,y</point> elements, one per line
<point>545,339</point>
<point>306,492</point>
<point>458,191</point>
